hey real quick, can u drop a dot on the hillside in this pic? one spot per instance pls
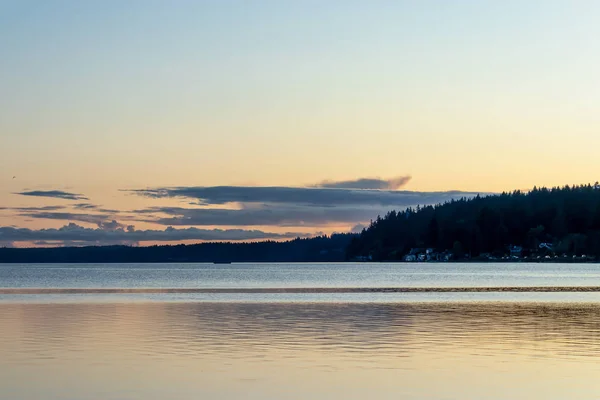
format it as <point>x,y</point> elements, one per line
<point>555,222</point>
<point>319,249</point>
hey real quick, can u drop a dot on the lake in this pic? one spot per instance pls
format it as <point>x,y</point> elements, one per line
<point>132,344</point>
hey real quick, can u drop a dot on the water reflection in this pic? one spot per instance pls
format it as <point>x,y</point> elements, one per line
<point>237,350</point>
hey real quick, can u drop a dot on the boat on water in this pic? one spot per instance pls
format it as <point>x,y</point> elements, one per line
<point>221,262</point>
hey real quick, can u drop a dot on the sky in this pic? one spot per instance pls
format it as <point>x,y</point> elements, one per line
<point>148,121</point>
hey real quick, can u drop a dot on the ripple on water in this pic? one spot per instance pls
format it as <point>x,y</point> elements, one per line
<point>220,348</point>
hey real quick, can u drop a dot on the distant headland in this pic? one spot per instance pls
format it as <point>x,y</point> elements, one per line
<point>557,224</point>
<point>560,224</point>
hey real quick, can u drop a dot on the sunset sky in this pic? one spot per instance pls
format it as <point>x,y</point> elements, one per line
<point>155,122</point>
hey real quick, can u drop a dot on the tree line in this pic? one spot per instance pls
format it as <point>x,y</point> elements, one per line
<point>563,219</point>
<point>318,249</point>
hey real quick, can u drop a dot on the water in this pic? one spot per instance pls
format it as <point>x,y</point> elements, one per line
<point>331,345</point>
<point>297,275</point>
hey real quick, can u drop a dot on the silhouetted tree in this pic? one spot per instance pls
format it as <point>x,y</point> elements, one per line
<point>567,217</point>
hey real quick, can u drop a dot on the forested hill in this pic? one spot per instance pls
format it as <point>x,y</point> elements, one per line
<point>319,249</point>
<point>548,222</point>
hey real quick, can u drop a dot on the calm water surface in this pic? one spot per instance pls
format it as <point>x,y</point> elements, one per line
<point>296,275</point>
<point>299,346</point>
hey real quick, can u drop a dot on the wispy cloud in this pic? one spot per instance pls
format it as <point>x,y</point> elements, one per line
<point>94,207</point>
<point>218,195</point>
<point>33,209</point>
<point>68,216</point>
<point>57,194</point>
<point>85,206</point>
<point>367,183</point>
<point>265,215</point>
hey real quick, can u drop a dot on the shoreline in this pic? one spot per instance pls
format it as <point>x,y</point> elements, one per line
<point>488,289</point>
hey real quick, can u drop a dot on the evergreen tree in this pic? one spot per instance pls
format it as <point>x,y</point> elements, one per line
<point>568,217</point>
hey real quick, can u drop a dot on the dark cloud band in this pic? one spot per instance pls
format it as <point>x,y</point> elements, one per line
<point>268,215</point>
<point>74,232</point>
<point>57,194</point>
<point>67,216</point>
<point>217,195</point>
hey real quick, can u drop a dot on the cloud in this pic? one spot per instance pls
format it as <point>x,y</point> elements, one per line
<point>110,226</point>
<point>78,234</point>
<point>57,194</point>
<point>34,209</point>
<point>67,216</point>
<point>48,212</point>
<point>351,203</point>
<point>94,207</point>
<point>264,215</point>
<point>218,195</point>
<point>256,206</point>
<point>85,206</point>
<point>367,183</point>
<point>288,206</point>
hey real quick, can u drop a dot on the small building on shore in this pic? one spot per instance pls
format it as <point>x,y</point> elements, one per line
<point>515,251</point>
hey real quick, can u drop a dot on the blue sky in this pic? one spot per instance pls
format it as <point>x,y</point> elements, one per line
<point>477,96</point>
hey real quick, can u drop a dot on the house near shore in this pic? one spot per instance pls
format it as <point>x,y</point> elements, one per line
<point>428,255</point>
<point>515,251</point>
<point>447,257</point>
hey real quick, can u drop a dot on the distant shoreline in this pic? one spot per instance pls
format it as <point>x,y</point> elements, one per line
<point>488,289</point>
<point>224,264</point>
<point>500,261</point>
